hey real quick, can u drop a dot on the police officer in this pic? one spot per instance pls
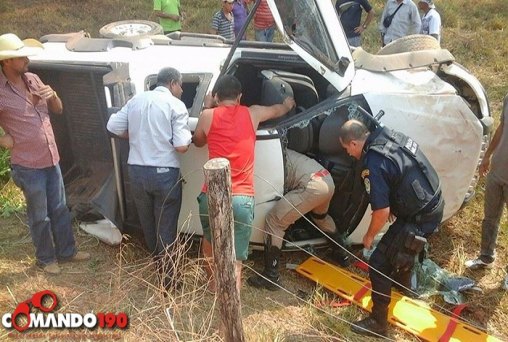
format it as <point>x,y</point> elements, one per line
<point>400,183</point>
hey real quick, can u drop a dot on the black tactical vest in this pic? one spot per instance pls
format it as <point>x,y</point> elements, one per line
<point>419,182</point>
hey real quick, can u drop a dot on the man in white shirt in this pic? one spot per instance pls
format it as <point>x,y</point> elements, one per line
<point>405,21</point>
<point>156,123</point>
<point>431,20</point>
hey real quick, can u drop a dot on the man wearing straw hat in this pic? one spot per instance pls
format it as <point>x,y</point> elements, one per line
<point>25,103</point>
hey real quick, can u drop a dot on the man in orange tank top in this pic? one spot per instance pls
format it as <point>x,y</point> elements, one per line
<point>230,132</point>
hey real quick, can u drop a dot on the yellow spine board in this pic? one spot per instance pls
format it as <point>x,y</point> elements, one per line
<point>414,316</point>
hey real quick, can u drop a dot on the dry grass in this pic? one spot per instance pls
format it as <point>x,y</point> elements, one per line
<point>120,279</point>
<point>123,278</point>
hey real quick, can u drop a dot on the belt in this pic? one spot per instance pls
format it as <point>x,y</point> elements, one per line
<point>431,215</point>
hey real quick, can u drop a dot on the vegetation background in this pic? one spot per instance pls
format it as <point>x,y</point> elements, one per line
<point>120,279</point>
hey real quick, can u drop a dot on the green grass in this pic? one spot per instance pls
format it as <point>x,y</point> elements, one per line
<point>4,166</point>
<point>11,199</point>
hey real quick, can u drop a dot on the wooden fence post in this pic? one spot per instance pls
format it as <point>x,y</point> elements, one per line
<point>218,179</point>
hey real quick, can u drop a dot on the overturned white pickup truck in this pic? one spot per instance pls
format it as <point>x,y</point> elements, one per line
<point>423,92</point>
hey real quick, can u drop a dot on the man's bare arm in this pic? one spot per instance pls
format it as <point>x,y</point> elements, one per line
<point>377,221</point>
<point>160,14</point>
<point>55,105</point>
<point>6,141</point>
<point>181,149</point>
<point>264,113</point>
<point>202,127</point>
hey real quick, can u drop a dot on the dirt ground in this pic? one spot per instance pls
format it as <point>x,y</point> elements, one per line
<point>123,279</point>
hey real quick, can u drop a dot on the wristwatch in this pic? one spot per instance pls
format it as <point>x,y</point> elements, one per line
<point>364,26</point>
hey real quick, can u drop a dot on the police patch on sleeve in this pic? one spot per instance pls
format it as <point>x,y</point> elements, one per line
<point>365,173</point>
<point>411,145</point>
<point>366,182</point>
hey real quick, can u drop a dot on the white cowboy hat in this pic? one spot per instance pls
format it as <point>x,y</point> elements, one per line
<point>11,46</point>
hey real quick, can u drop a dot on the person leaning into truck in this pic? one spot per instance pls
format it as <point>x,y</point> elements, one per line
<point>230,132</point>
<point>401,183</point>
<point>156,123</point>
<point>309,189</point>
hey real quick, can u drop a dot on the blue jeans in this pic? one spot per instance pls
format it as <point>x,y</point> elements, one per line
<point>48,216</point>
<point>157,192</point>
<point>265,35</point>
<point>355,41</point>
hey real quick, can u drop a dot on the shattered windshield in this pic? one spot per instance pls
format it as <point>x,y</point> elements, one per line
<point>304,25</point>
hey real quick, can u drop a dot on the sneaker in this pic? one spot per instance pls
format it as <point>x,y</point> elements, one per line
<point>52,268</point>
<point>479,263</point>
<point>79,256</point>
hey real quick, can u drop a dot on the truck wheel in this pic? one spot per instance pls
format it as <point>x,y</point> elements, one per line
<point>410,43</point>
<point>130,28</point>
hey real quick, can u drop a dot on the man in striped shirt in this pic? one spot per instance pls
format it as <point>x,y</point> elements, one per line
<point>223,22</point>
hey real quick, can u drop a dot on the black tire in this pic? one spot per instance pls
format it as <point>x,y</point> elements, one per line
<point>415,42</point>
<point>130,28</point>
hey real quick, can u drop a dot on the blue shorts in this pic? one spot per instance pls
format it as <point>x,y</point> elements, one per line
<point>243,213</point>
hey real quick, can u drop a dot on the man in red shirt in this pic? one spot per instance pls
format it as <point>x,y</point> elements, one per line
<point>264,24</point>
<point>230,131</point>
<point>24,117</point>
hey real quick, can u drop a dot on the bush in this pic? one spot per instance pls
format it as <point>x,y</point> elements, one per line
<point>11,199</point>
<point>5,170</point>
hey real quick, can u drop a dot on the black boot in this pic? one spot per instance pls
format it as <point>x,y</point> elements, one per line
<point>269,278</point>
<point>374,325</point>
<point>339,254</point>
<point>408,283</point>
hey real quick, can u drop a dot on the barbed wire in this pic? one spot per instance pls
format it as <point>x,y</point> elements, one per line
<point>344,249</point>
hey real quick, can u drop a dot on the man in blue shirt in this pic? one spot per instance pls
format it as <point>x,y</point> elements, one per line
<point>156,124</point>
<point>350,18</point>
<point>401,184</point>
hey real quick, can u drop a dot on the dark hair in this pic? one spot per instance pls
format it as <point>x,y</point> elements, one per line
<point>353,130</point>
<point>227,88</point>
<point>168,75</point>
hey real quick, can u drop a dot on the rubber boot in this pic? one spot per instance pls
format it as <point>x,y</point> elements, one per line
<point>270,277</point>
<point>375,324</point>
